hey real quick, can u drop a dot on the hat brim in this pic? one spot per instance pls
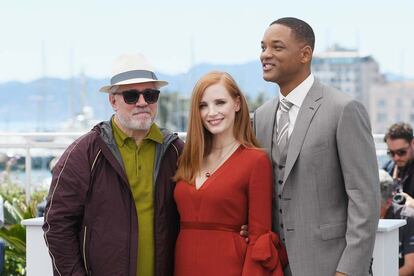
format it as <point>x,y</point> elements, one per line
<point>158,83</point>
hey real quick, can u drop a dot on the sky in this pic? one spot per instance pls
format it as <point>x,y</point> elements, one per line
<point>66,38</point>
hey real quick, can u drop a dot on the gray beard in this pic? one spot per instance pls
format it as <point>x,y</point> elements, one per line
<point>135,125</point>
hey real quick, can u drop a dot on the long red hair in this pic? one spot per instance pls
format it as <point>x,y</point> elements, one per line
<point>199,140</point>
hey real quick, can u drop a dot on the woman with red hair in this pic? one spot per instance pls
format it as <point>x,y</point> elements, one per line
<point>224,181</point>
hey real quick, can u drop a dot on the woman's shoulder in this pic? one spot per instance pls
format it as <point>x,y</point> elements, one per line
<point>256,153</point>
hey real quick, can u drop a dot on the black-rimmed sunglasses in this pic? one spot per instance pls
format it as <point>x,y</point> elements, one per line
<point>399,152</point>
<point>132,96</point>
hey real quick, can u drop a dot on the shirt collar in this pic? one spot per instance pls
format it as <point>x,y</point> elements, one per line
<point>297,95</point>
<point>154,134</point>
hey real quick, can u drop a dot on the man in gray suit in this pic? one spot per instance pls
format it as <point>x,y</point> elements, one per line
<point>326,196</point>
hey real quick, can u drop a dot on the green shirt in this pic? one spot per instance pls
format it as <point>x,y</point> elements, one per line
<point>139,168</point>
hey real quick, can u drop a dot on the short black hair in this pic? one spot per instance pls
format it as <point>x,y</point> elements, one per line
<point>399,131</point>
<point>302,30</point>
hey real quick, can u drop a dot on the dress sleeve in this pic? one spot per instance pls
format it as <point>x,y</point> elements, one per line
<point>262,257</point>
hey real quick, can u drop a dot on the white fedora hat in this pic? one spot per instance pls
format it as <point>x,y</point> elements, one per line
<point>132,68</point>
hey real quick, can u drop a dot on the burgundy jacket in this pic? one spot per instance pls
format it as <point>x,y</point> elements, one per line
<point>90,223</point>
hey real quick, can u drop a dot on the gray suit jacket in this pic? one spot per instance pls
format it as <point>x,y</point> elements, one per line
<point>330,196</point>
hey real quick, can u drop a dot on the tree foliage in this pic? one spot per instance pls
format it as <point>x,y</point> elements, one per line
<point>13,232</point>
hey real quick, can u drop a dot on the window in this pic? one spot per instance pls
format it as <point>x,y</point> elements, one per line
<point>399,102</point>
<point>382,103</point>
<point>382,117</point>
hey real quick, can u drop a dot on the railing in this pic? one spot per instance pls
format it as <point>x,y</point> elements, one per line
<point>385,262</point>
<point>56,142</point>
<point>25,143</point>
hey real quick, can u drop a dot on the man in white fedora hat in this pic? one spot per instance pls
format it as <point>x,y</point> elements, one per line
<point>110,209</point>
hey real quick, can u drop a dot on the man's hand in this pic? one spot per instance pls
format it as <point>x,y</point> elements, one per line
<point>409,201</point>
<point>408,267</point>
<point>340,274</point>
<point>244,232</point>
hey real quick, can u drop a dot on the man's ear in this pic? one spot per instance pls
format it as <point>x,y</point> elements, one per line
<point>112,101</point>
<point>306,54</point>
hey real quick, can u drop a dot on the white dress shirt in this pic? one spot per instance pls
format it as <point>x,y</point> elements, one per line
<point>296,96</point>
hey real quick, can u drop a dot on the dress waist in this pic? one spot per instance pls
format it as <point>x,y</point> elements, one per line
<point>209,226</point>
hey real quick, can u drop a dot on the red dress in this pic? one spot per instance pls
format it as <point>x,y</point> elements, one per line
<point>237,193</point>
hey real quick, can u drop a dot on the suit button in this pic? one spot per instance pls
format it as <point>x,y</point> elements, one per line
<point>280,196</point>
<point>281,167</point>
<point>280,182</point>
<point>281,225</point>
<point>280,210</point>
<point>283,240</point>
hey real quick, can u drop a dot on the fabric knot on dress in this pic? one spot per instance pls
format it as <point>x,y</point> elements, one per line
<point>269,251</point>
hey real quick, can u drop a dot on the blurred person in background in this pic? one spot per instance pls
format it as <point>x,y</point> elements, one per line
<point>392,210</point>
<point>400,143</point>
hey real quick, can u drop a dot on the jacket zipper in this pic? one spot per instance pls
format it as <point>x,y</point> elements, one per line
<point>86,228</point>
<point>84,250</point>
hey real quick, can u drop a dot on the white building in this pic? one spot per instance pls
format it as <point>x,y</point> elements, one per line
<point>348,71</point>
<point>390,103</point>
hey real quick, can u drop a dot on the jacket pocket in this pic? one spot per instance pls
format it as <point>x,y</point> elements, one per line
<point>333,230</point>
<point>314,148</point>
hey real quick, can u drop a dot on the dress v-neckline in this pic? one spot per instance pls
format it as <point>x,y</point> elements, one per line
<point>217,171</point>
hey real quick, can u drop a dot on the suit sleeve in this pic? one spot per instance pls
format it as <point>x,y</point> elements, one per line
<point>358,161</point>
<point>254,122</point>
<point>64,212</point>
<point>261,257</point>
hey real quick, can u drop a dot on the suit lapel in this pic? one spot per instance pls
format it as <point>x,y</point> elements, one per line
<point>308,109</point>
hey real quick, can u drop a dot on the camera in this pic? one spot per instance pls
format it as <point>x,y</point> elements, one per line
<point>398,199</point>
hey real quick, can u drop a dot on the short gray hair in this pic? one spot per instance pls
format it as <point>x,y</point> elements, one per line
<point>113,89</point>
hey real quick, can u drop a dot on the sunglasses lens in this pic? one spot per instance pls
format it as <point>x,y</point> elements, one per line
<point>151,95</point>
<point>397,152</point>
<point>130,97</point>
<point>400,152</point>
